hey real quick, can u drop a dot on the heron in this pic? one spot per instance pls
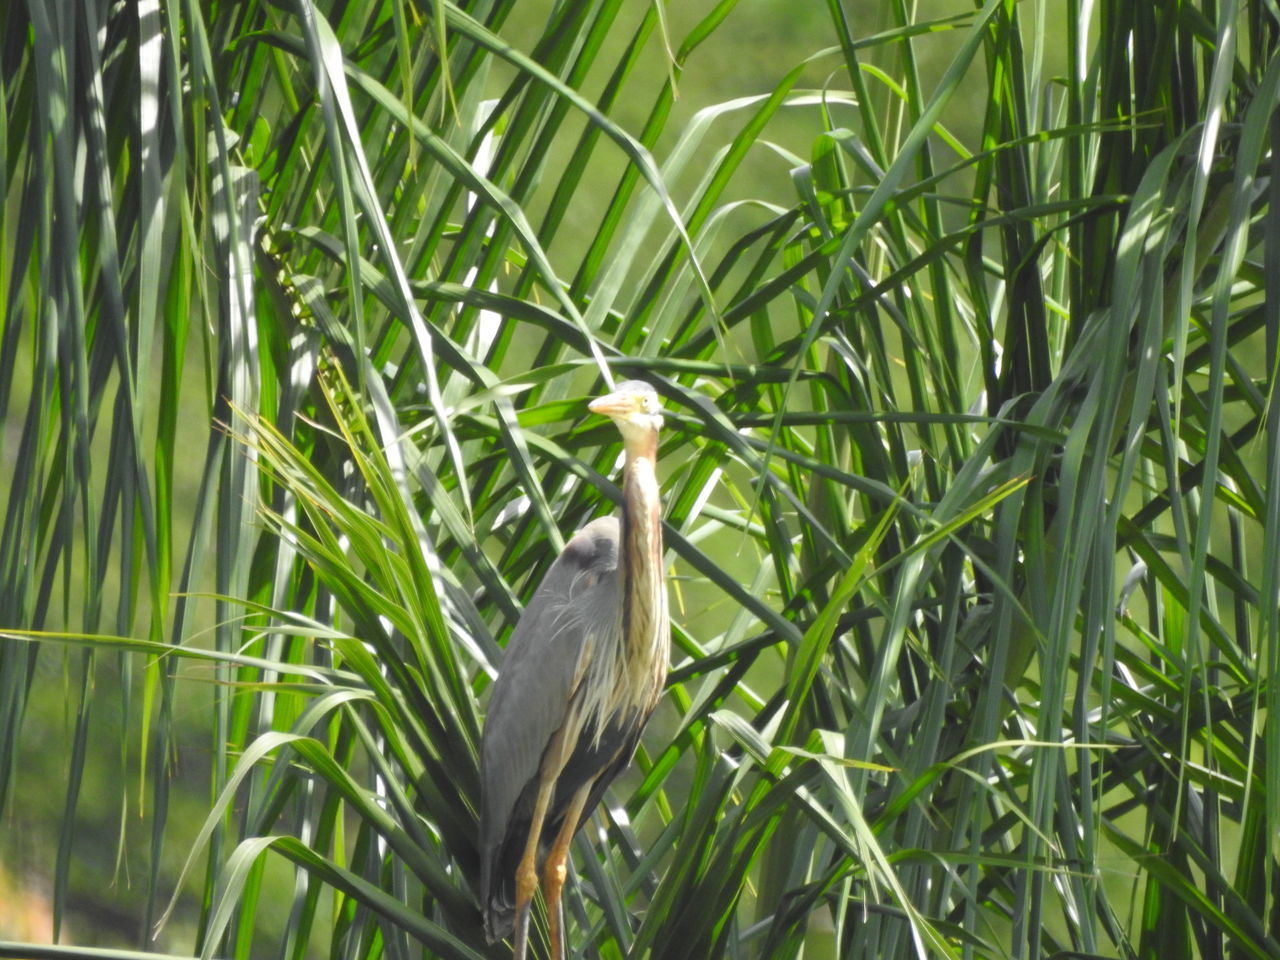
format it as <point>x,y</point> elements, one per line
<point>583,671</point>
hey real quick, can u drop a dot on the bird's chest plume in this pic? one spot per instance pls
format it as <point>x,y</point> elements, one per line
<point>631,665</point>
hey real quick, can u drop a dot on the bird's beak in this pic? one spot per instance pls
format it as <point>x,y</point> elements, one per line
<point>613,405</point>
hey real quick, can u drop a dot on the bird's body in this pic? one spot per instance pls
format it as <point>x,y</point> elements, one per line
<point>583,670</point>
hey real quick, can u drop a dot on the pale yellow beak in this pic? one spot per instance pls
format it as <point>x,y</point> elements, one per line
<point>613,404</point>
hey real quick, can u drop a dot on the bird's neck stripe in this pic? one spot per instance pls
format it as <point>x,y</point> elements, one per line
<point>643,599</point>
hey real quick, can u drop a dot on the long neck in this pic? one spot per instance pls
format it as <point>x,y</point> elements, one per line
<point>644,602</point>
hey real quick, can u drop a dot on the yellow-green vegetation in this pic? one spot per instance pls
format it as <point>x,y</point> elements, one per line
<point>966,318</point>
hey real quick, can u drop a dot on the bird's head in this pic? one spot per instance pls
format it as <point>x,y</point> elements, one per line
<point>634,406</point>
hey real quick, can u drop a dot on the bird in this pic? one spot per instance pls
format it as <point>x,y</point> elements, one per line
<point>584,669</point>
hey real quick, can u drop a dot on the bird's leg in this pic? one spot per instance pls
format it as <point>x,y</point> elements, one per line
<point>527,870</point>
<point>553,872</point>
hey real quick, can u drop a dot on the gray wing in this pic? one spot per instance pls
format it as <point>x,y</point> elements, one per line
<point>534,687</point>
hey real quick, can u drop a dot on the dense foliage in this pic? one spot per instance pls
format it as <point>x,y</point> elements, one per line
<point>967,332</point>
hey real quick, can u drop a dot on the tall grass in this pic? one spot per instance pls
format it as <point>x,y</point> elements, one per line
<point>970,475</point>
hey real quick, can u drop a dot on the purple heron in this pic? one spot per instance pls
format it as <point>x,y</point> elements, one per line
<point>581,675</point>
